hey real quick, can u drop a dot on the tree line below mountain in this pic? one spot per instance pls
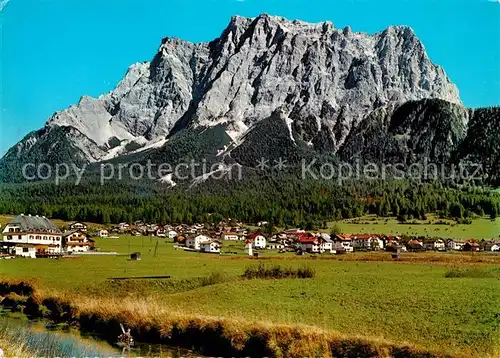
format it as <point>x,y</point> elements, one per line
<point>285,202</point>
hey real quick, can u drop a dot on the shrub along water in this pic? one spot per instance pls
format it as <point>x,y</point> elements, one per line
<point>213,336</point>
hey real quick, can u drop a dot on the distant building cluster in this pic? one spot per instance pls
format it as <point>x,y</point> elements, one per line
<point>37,237</point>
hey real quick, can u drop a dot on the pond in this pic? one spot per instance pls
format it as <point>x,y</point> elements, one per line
<point>62,341</point>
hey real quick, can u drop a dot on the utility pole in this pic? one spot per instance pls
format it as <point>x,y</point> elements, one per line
<point>156,250</point>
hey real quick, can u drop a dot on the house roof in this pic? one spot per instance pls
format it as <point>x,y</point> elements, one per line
<point>343,237</point>
<point>211,242</point>
<point>255,234</point>
<point>35,224</point>
<point>76,222</point>
<point>294,231</point>
<point>68,233</point>
<point>392,237</point>
<point>473,244</point>
<point>308,239</point>
<point>366,236</point>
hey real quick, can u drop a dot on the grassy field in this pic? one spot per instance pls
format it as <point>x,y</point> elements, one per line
<point>421,304</point>
<point>481,228</point>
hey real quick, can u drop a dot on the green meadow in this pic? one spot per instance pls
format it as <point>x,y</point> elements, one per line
<point>428,305</point>
<point>480,228</point>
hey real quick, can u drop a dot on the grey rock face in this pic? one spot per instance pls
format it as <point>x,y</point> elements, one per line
<point>325,80</point>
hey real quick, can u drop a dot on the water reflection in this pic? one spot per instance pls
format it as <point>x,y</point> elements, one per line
<point>63,341</point>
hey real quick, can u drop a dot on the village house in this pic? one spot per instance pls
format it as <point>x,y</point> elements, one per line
<point>181,228</point>
<point>211,246</point>
<point>315,244</point>
<point>231,236</point>
<point>367,242</point>
<point>342,243</point>
<point>142,229</point>
<point>326,243</point>
<point>492,246</point>
<point>161,232</point>
<point>275,246</point>
<point>471,246</point>
<point>103,233</point>
<point>180,239</point>
<point>32,236</point>
<point>293,234</point>
<point>415,245</point>
<point>77,241</point>
<point>391,239</point>
<point>454,245</point>
<point>123,227</point>
<point>77,226</point>
<point>242,232</point>
<point>171,234</point>
<point>438,245</point>
<point>309,243</point>
<point>152,229</point>
<point>196,241</point>
<point>198,227</point>
<point>395,246</point>
<point>258,241</point>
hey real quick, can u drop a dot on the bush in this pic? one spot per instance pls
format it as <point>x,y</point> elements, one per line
<point>277,272</point>
<point>212,279</point>
<point>472,273</point>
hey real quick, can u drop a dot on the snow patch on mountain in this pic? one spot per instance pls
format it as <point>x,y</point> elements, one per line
<point>92,119</point>
<point>157,144</point>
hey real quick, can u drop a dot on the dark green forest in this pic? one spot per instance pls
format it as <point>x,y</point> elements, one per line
<point>283,201</point>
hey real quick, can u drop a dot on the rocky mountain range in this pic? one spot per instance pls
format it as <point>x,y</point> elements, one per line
<point>270,86</point>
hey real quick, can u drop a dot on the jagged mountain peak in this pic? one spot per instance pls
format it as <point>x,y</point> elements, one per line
<point>324,80</point>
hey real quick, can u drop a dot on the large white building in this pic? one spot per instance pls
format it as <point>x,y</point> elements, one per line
<point>32,236</point>
<point>195,242</point>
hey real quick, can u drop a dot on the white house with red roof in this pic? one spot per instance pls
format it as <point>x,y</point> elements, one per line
<point>342,243</point>
<point>309,243</point>
<point>315,243</point>
<point>258,240</point>
<point>367,242</point>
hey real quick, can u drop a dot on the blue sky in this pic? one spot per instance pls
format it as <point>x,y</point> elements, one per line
<point>54,51</point>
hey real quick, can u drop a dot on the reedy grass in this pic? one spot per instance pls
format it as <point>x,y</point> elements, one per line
<point>210,335</point>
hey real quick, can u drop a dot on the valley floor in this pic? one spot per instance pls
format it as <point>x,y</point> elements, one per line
<point>445,302</point>
<point>480,228</point>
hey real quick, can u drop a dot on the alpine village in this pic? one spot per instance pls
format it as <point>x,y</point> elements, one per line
<point>28,236</point>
